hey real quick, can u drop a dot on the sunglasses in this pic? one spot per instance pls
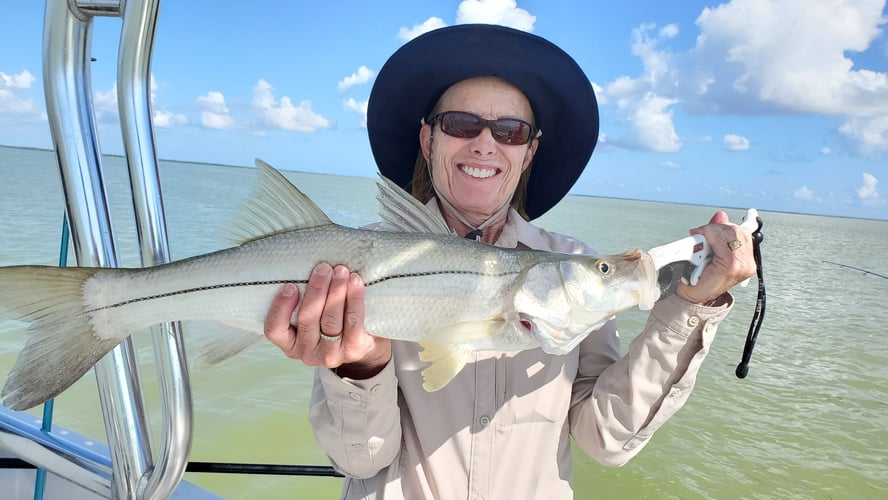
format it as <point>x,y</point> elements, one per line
<point>464,125</point>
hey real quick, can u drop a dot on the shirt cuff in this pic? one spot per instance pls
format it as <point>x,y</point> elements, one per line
<point>358,394</point>
<point>683,317</point>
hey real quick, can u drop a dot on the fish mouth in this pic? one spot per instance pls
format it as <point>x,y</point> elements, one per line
<point>478,172</point>
<point>648,290</point>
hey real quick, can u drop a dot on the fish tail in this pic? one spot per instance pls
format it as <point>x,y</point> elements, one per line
<point>62,344</point>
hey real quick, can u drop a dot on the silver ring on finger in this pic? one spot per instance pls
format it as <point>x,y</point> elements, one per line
<point>330,338</point>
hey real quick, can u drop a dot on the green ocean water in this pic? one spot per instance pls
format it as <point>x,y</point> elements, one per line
<point>810,420</point>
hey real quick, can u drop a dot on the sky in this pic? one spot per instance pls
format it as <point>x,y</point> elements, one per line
<point>778,105</point>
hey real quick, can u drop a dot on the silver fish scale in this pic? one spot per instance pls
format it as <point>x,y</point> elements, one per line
<point>415,283</point>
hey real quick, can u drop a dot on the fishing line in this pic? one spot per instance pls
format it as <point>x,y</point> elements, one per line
<point>864,271</point>
<point>759,315</point>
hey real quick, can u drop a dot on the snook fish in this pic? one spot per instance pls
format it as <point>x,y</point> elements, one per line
<point>423,284</point>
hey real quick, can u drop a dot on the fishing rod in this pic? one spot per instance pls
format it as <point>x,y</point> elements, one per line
<point>864,271</point>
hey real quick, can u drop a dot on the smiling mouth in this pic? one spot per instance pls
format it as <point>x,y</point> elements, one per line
<point>478,173</point>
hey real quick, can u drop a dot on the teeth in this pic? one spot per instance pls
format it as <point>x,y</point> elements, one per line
<point>478,173</point>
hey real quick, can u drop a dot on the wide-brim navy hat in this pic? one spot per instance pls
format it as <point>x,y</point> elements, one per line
<point>413,79</point>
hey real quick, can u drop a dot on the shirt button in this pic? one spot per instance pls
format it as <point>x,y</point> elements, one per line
<point>693,321</point>
<point>484,421</point>
<point>355,396</point>
<point>674,392</point>
<point>357,447</point>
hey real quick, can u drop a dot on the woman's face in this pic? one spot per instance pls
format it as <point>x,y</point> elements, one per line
<point>478,175</point>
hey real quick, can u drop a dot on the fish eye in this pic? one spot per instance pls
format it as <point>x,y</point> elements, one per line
<point>603,267</point>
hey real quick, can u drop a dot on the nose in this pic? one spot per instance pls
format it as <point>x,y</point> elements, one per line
<point>484,143</point>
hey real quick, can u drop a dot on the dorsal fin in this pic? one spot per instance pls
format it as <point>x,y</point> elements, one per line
<point>275,205</point>
<point>400,211</point>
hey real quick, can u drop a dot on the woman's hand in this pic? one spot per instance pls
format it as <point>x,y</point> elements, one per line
<point>329,329</point>
<point>731,262</point>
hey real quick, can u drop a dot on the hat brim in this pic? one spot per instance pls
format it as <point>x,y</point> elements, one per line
<point>416,75</point>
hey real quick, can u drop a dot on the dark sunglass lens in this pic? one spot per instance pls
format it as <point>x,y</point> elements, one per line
<point>467,126</point>
<point>512,131</point>
<point>461,125</point>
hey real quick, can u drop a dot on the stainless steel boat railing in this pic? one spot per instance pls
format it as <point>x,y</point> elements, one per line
<point>68,90</point>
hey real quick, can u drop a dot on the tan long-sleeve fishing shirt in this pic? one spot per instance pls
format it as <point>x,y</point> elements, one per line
<point>502,428</point>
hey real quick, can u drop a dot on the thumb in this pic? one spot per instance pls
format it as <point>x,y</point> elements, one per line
<point>720,217</point>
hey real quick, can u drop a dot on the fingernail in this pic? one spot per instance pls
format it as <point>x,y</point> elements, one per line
<point>340,272</point>
<point>323,269</point>
<point>288,290</point>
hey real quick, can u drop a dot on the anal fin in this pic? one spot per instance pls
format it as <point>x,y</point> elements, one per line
<point>446,361</point>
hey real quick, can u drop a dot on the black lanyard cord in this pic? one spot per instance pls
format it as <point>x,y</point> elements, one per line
<point>759,316</point>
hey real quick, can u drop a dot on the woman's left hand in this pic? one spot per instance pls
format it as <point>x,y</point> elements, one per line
<point>731,263</point>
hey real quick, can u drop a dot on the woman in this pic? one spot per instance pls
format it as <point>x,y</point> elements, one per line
<point>500,123</point>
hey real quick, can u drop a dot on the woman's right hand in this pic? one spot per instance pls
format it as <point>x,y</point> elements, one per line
<point>329,329</point>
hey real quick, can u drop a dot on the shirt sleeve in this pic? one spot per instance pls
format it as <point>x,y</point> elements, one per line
<point>618,402</point>
<point>357,422</point>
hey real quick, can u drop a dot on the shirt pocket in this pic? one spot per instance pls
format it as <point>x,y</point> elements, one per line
<point>537,387</point>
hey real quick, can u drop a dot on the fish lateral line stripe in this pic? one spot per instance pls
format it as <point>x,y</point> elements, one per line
<point>282,282</point>
<point>438,273</point>
<point>194,290</point>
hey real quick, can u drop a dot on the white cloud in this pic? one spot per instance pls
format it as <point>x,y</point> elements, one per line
<point>502,12</point>
<point>284,114</point>
<point>359,107</point>
<point>106,108</point>
<point>23,80</point>
<point>867,193</point>
<point>734,142</point>
<point>649,120</point>
<point>749,60</point>
<point>11,102</point>
<point>656,62</point>
<point>804,194</point>
<point>430,24</point>
<point>166,119</point>
<point>105,105</point>
<point>804,68</point>
<point>363,75</point>
<point>214,113</point>
<point>161,117</point>
<point>152,85</point>
<point>652,122</point>
<point>870,134</point>
<point>14,98</point>
<point>600,96</point>
<point>669,31</point>
<point>645,111</point>
<point>826,151</point>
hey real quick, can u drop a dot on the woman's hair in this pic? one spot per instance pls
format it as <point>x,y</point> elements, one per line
<point>421,184</point>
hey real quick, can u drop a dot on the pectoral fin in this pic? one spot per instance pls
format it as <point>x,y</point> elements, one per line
<point>447,350</point>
